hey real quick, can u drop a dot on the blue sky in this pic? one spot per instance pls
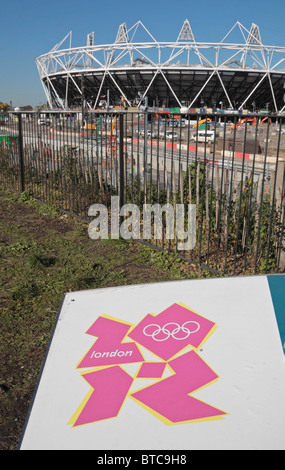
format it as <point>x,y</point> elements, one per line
<point>30,28</point>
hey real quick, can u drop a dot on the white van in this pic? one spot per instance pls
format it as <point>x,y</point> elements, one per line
<point>204,136</point>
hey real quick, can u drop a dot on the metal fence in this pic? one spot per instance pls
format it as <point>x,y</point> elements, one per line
<point>229,167</point>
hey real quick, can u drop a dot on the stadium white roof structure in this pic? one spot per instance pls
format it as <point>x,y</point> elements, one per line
<point>237,74</point>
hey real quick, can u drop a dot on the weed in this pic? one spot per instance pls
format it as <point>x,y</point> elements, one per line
<point>26,197</point>
<point>25,291</point>
<point>38,259</point>
<point>19,247</point>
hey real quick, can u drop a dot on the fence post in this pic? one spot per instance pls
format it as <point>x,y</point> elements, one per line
<point>121,161</point>
<point>21,153</point>
<point>280,203</point>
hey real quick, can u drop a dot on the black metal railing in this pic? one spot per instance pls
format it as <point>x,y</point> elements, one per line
<point>230,168</point>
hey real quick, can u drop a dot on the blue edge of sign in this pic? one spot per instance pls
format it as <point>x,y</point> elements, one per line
<point>277,290</point>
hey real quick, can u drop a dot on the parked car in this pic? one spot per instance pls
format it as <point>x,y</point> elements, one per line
<point>149,134</point>
<point>152,134</point>
<point>171,136</point>
<point>43,122</point>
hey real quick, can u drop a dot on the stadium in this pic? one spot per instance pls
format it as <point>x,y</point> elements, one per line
<point>243,74</point>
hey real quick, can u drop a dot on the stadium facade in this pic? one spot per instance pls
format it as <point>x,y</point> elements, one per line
<point>186,73</point>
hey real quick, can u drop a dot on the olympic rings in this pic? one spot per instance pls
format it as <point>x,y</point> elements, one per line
<point>168,333</point>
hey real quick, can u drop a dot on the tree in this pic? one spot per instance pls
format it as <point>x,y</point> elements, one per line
<point>3,106</point>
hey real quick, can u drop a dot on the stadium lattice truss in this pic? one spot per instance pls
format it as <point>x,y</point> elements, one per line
<point>235,75</point>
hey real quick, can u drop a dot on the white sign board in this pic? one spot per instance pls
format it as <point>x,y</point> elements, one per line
<point>187,365</point>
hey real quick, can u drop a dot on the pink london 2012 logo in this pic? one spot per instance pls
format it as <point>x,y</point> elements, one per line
<point>173,336</point>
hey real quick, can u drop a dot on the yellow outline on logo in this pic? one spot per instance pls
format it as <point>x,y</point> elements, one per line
<point>77,413</point>
<point>167,421</point>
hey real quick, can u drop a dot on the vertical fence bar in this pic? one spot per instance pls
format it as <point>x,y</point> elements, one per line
<point>273,196</point>
<point>229,196</point>
<point>262,196</point>
<point>280,202</point>
<point>249,214</point>
<point>121,161</point>
<point>21,153</point>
